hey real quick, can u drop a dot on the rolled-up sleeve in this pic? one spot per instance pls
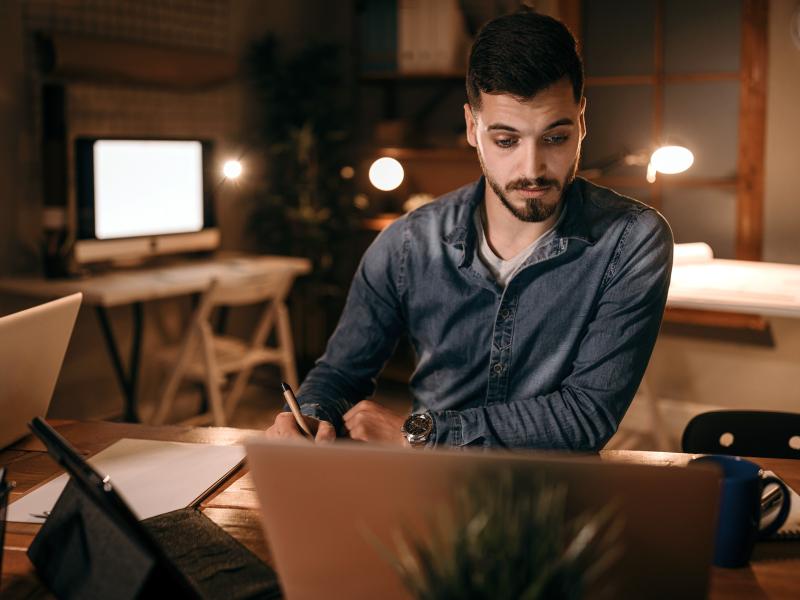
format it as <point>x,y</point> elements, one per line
<point>367,332</point>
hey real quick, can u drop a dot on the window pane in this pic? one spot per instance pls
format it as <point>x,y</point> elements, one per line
<point>618,120</point>
<point>704,117</point>
<point>702,215</point>
<point>618,36</point>
<point>702,35</point>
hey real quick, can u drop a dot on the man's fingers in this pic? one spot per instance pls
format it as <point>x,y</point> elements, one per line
<point>358,433</point>
<point>325,432</point>
<point>284,427</point>
<point>364,405</point>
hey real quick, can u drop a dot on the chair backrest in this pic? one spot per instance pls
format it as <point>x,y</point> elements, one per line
<point>239,291</point>
<point>760,433</point>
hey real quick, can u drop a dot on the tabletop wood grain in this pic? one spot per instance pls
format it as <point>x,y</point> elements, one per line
<point>774,571</point>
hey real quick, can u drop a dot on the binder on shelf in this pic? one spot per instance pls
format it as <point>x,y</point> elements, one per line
<point>378,34</point>
<point>431,36</point>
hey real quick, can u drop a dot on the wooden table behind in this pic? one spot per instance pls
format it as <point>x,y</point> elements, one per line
<point>773,572</point>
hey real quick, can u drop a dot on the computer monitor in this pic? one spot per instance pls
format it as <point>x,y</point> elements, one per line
<point>138,198</point>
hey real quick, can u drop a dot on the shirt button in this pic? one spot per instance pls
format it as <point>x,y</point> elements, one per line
<point>505,313</point>
<point>498,368</point>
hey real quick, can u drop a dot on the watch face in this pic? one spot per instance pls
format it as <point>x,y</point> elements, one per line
<point>418,425</point>
<point>795,25</point>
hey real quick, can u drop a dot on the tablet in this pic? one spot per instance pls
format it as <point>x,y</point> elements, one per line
<point>100,492</point>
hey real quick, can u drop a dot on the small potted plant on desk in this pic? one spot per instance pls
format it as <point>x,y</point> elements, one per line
<point>508,537</point>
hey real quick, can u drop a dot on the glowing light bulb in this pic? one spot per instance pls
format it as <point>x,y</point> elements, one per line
<point>672,159</point>
<point>386,174</point>
<point>232,169</point>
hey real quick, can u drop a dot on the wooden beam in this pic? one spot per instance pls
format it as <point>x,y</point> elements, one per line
<point>569,12</point>
<point>614,80</point>
<point>710,318</point>
<point>610,80</point>
<point>752,125</point>
<point>667,181</point>
<point>701,77</point>
<point>81,58</point>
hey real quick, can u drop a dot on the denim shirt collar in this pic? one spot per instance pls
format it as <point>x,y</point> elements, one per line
<point>572,227</point>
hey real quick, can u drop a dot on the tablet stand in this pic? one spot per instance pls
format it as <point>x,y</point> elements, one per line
<point>80,552</point>
<point>5,490</point>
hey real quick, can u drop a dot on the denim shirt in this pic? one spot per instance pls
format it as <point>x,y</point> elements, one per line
<point>552,360</point>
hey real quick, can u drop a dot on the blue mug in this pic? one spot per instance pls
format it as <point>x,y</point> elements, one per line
<point>740,509</point>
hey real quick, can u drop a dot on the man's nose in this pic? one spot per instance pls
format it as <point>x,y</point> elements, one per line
<point>534,164</point>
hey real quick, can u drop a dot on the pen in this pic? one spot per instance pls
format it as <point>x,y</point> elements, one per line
<point>288,395</point>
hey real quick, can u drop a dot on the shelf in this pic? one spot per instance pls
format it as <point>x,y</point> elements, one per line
<point>429,154</point>
<point>379,222</point>
<point>667,181</point>
<point>717,325</point>
<point>72,57</point>
<point>391,76</point>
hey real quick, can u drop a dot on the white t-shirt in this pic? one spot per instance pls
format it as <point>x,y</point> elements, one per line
<point>504,270</point>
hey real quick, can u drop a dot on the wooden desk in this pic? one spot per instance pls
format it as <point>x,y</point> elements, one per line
<point>136,286</point>
<point>773,572</point>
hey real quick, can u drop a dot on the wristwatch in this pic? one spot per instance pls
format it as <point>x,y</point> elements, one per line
<point>418,428</point>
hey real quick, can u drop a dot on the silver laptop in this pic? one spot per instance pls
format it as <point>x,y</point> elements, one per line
<point>32,347</point>
<point>317,502</point>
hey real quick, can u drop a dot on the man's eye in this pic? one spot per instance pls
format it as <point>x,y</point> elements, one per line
<point>505,142</point>
<point>555,140</point>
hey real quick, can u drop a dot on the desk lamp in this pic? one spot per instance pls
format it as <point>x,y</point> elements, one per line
<point>666,159</point>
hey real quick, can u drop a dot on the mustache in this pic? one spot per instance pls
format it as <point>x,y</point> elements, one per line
<point>520,184</point>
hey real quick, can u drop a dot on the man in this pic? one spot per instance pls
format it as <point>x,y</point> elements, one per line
<point>532,298</point>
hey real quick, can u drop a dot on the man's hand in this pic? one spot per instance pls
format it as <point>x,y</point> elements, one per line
<point>286,427</point>
<point>368,421</point>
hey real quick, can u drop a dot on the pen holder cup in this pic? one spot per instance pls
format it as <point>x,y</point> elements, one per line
<point>5,491</point>
<point>738,528</point>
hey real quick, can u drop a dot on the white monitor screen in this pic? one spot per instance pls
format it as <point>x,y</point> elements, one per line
<point>147,187</point>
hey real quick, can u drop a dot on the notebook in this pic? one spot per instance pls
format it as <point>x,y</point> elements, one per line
<point>153,476</point>
<point>34,342</point>
<point>317,502</point>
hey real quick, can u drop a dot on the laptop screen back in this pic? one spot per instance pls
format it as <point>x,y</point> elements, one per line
<point>34,342</point>
<point>318,502</point>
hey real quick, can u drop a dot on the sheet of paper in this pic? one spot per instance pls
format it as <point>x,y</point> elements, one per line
<point>746,286</point>
<point>154,477</point>
<point>697,252</point>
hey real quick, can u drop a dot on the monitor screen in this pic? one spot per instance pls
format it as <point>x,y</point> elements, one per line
<point>147,187</point>
<point>142,197</point>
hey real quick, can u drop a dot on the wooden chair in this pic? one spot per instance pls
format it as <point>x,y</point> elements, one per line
<point>757,433</point>
<point>210,358</point>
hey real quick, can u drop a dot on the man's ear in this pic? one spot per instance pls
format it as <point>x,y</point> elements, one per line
<point>583,118</point>
<point>472,134</point>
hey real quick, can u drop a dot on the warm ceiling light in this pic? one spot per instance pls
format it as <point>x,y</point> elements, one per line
<point>232,169</point>
<point>386,174</point>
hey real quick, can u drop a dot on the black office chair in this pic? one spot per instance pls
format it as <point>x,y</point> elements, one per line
<point>761,433</point>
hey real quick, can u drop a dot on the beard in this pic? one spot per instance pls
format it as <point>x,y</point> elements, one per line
<point>535,210</point>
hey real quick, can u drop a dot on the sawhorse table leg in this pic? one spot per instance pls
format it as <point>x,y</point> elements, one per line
<point>126,379</point>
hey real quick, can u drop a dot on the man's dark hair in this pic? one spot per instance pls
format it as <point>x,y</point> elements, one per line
<point>521,54</point>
